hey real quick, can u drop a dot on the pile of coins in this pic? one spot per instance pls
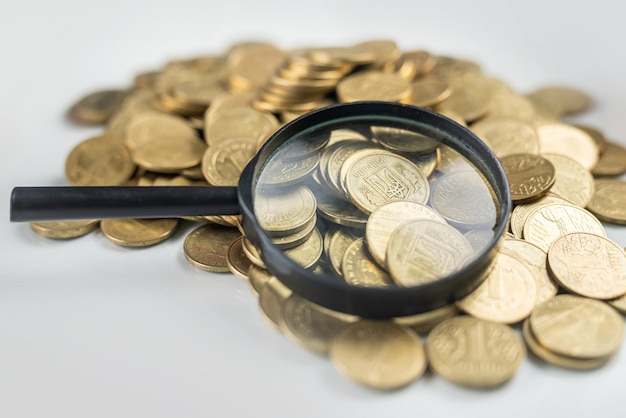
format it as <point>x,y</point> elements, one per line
<point>199,121</point>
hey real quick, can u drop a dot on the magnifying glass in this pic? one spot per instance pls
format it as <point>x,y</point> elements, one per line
<point>423,200</point>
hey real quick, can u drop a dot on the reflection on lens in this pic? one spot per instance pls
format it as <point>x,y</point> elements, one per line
<point>376,202</point>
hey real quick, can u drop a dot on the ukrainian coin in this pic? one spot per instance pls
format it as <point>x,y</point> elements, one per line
<point>206,247</point>
<point>252,67</point>
<point>429,91</point>
<point>149,126</point>
<point>588,265</point>
<point>546,223</point>
<point>464,200</point>
<point>473,352</point>
<point>252,253</point>
<point>271,298</point>
<point>450,68</point>
<point>64,229</point>
<point>169,156</point>
<point>257,278</point>
<point>450,161</point>
<point>307,253</point>
<point>612,162</point>
<point>469,98</point>
<point>378,354</point>
<point>238,263</point>
<point>99,162</point>
<point>422,251</point>
<point>402,140</point>
<point>138,232</point>
<point>558,138</point>
<point>535,259</point>
<point>573,182</point>
<point>97,107</point>
<point>423,323</point>
<point>359,269</point>
<point>232,122</point>
<point>596,135</point>
<point>609,201</point>
<point>339,155</point>
<point>577,327</point>
<point>565,99</point>
<point>284,172</point>
<point>509,105</point>
<point>285,242</point>
<point>385,219</point>
<point>425,162</point>
<point>377,178</point>
<point>530,176</point>
<point>340,212</point>
<point>562,361</point>
<point>310,325</point>
<point>507,295</point>
<point>374,85</point>
<point>507,136</point>
<point>520,214</point>
<point>338,242</point>
<point>223,162</point>
<point>286,211</point>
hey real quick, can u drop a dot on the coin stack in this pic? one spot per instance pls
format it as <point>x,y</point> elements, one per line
<point>199,121</point>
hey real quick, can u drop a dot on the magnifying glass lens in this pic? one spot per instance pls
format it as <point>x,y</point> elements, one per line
<point>377,201</point>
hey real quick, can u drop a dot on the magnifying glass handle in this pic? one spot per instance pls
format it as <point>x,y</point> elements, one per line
<point>66,203</point>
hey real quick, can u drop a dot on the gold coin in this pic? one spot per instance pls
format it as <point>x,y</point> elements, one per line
<point>403,140</point>
<point>573,182</point>
<point>138,232</point>
<point>166,155</point>
<point>336,243</point>
<point>429,91</point>
<point>238,263</point>
<point>359,269</point>
<point>271,298</point>
<point>99,161</point>
<point>257,278</point>
<point>608,202</point>
<point>507,296</point>
<point>385,219</point>
<point>423,251</point>
<point>596,135</point>
<point>558,138</point>
<point>479,239</point>
<point>340,212</point>
<point>450,161</point>
<point>240,121</point>
<point>307,253</point>
<point>562,361</point>
<point>227,100</point>
<point>252,67</point>
<point>378,52</point>
<point>206,247</point>
<point>535,259</point>
<point>377,178</point>
<point>252,253</point>
<point>198,91</point>
<point>378,354</point>
<point>450,68</point>
<point>546,223</point>
<point>464,199</point>
<point>64,229</point>
<point>149,126</point>
<point>285,211</point>
<point>619,304</point>
<point>507,136</point>
<point>338,154</point>
<point>510,105</point>
<point>223,162</point>
<point>588,265</point>
<point>530,176</point>
<point>577,327</point>
<point>473,352</point>
<point>280,172</point>
<point>285,242</point>
<point>612,162</point>
<point>470,99</point>
<point>520,214</point>
<point>374,85</point>
<point>565,99</point>
<point>310,325</point>
<point>97,107</point>
<point>423,323</point>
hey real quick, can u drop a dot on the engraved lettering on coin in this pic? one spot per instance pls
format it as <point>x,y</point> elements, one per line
<point>530,176</point>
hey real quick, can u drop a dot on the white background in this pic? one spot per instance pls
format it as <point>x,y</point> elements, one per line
<point>88,329</point>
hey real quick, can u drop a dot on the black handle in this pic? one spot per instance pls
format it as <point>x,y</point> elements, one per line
<point>65,203</point>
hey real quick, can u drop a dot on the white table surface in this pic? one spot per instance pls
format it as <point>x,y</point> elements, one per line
<point>89,329</point>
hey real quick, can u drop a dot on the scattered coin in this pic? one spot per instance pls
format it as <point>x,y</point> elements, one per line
<point>359,269</point>
<point>64,229</point>
<point>530,176</point>
<point>206,247</point>
<point>558,138</point>
<point>97,107</point>
<point>378,354</point>
<point>138,232</point>
<point>608,202</point>
<point>99,162</point>
<point>238,263</point>
<point>573,182</point>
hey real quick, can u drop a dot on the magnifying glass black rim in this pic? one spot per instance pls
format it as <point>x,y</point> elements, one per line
<point>383,302</point>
